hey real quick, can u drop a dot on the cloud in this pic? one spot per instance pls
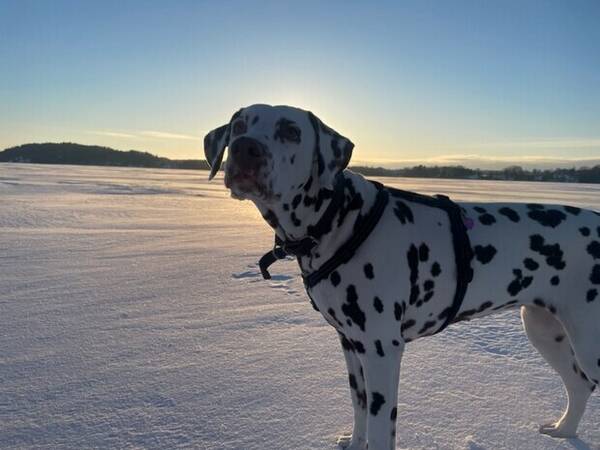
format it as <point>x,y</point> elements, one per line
<point>146,135</point>
<point>114,134</point>
<point>555,143</point>
<point>165,135</point>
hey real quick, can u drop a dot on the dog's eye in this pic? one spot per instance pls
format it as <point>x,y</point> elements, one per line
<point>286,130</point>
<point>292,133</point>
<point>239,127</point>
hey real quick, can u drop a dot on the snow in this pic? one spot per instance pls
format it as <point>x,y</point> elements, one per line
<point>133,315</point>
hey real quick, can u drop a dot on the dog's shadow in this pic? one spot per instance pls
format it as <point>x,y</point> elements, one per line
<point>576,444</point>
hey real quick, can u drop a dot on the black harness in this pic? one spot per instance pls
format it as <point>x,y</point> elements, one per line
<point>462,246</point>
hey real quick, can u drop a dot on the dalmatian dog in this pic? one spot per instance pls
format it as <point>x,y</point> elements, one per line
<point>400,283</point>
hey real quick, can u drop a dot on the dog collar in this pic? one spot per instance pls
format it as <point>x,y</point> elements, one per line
<point>303,247</point>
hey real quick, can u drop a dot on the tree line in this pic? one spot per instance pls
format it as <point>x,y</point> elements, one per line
<point>71,153</point>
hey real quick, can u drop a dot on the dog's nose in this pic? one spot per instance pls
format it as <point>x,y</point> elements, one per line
<point>247,153</point>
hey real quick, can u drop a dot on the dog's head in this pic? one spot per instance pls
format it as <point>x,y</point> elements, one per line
<point>275,151</point>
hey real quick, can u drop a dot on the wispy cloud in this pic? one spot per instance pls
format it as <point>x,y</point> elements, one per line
<point>165,135</point>
<point>147,134</point>
<point>114,134</point>
<point>558,143</point>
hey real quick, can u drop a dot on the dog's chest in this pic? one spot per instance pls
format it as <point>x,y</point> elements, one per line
<point>403,273</point>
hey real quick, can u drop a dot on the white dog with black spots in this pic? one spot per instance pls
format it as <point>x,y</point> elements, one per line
<point>399,284</point>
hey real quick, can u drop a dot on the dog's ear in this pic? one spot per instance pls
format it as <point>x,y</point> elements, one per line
<point>214,145</point>
<point>332,151</point>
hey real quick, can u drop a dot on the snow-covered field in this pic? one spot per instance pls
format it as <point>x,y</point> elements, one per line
<point>133,315</point>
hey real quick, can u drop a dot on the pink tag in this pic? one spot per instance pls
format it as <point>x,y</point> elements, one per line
<point>469,223</point>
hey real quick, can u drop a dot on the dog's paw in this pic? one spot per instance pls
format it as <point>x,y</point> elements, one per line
<point>345,442</point>
<point>555,430</point>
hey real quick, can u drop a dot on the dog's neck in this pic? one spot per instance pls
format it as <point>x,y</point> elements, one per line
<point>305,214</point>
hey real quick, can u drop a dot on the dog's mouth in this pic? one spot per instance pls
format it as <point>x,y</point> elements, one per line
<point>244,184</point>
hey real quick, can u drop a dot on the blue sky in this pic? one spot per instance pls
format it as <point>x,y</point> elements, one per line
<point>447,81</point>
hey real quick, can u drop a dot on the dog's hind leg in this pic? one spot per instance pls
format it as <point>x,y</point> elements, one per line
<point>356,378</point>
<point>549,337</point>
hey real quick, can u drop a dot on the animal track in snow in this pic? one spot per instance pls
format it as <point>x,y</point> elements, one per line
<point>277,281</point>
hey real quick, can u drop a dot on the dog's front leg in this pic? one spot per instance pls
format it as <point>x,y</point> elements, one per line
<point>356,379</point>
<point>381,365</point>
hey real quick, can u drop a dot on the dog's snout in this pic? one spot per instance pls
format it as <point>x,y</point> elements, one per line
<point>247,152</point>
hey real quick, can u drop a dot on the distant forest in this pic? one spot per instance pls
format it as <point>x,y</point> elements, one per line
<point>70,153</point>
<point>93,155</point>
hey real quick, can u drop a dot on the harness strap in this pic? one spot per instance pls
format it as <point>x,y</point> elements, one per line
<point>463,254</point>
<point>347,250</point>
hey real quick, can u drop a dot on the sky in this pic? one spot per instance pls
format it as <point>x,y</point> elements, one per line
<point>470,82</point>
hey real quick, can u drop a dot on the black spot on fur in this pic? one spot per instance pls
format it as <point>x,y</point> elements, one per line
<point>539,302</point>
<point>559,338</point>
<point>423,252</point>
<point>427,325</point>
<point>376,403</point>
<point>414,294</point>
<point>408,324</point>
<point>308,184</point>
<point>484,254</point>
<point>479,209</point>
<point>510,213</point>
<point>413,263</point>
<point>296,201</point>
<point>293,159</point>
<point>271,219</point>
<point>595,275</point>
<point>403,212</point>
<point>572,210</point>
<point>594,249</point>
<point>530,264</point>
<point>444,314</point>
<point>295,221</point>
<point>358,346</point>
<point>435,269</point>
<point>335,278</point>
<point>548,217</point>
<point>331,312</point>
<point>552,252</point>
<point>428,285</point>
<point>286,207</point>
<point>395,343</point>
<point>369,271</point>
<point>534,206</point>
<point>379,348</point>
<point>378,305</point>
<point>591,295</point>
<point>585,231</point>
<point>352,381</point>
<point>351,308</point>
<point>555,281</point>
<point>487,219</point>
<point>519,283</point>
<point>394,413</point>
<point>398,311</point>
<point>346,344</point>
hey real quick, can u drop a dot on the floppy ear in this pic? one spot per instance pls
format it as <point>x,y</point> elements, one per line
<point>214,146</point>
<point>332,151</point>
